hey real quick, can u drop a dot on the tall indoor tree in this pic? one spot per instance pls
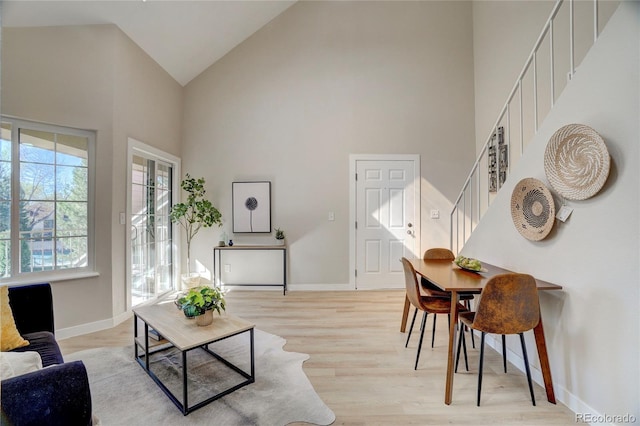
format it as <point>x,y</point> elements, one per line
<point>194,213</point>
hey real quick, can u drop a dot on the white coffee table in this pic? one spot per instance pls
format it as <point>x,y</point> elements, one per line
<point>186,336</point>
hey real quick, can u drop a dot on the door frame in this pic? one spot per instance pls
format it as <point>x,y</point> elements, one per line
<point>134,145</point>
<point>353,159</point>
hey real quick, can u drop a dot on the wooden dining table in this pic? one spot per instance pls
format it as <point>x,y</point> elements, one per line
<point>449,277</point>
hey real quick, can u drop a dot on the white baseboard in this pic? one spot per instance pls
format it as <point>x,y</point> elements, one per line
<point>92,327</point>
<point>78,330</point>
<point>291,287</point>
<point>320,287</point>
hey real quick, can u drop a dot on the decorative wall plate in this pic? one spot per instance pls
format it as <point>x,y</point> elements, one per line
<point>532,209</point>
<point>576,162</point>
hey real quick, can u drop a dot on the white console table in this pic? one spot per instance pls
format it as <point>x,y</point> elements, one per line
<point>246,265</point>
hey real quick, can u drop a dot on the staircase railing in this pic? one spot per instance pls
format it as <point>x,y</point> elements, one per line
<point>497,156</point>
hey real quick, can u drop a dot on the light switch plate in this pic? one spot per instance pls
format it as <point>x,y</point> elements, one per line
<point>332,216</point>
<point>564,213</point>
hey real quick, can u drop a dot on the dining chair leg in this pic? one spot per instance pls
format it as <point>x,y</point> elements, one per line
<point>467,304</point>
<point>462,343</point>
<point>464,348</point>
<point>460,337</point>
<point>424,320</point>
<point>504,353</point>
<point>480,366</point>
<point>433,332</point>
<point>526,366</point>
<point>473,340</point>
<point>411,328</point>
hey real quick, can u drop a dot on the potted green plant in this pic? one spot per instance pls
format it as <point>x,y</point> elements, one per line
<point>200,302</point>
<point>193,214</point>
<point>279,236</point>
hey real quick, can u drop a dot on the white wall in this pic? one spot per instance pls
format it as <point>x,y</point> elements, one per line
<point>322,81</point>
<point>593,326</point>
<point>93,77</point>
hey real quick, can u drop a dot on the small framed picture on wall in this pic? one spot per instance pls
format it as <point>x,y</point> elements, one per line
<point>251,204</point>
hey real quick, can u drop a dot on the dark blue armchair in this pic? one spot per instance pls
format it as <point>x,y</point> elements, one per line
<point>57,395</point>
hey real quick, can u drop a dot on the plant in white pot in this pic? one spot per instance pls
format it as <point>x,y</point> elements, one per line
<point>193,214</point>
<point>279,236</point>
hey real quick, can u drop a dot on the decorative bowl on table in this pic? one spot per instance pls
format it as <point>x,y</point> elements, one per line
<point>469,264</point>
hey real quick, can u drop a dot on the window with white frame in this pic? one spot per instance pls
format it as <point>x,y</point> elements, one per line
<point>46,175</point>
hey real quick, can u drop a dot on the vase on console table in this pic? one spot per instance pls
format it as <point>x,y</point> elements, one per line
<point>279,236</point>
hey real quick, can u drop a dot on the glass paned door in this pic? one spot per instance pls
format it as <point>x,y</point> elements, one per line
<point>152,263</point>
<point>5,200</point>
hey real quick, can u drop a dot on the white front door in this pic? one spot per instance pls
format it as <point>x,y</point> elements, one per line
<point>387,219</point>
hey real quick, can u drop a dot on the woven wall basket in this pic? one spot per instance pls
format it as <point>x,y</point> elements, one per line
<point>576,162</point>
<point>532,209</point>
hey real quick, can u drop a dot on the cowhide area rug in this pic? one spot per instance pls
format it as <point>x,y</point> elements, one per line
<point>123,394</point>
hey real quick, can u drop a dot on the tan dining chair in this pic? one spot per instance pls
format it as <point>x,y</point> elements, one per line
<point>431,289</point>
<point>427,304</point>
<point>508,305</point>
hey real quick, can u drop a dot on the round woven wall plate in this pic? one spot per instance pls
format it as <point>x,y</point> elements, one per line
<point>576,162</point>
<point>532,209</point>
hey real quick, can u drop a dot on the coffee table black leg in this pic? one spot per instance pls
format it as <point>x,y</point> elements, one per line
<point>185,404</point>
<point>146,345</point>
<point>135,335</point>
<point>252,358</point>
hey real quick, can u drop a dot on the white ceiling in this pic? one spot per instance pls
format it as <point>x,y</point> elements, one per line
<point>185,37</point>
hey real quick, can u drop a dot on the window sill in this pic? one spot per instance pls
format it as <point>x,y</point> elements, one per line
<point>49,277</point>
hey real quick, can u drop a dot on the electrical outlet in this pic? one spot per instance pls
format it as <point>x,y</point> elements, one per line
<point>332,216</point>
<point>227,267</point>
<point>123,219</point>
<point>435,214</point>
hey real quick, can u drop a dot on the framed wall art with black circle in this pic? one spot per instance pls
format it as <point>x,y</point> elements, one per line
<point>251,205</point>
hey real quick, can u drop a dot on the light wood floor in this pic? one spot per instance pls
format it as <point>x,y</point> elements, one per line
<point>361,369</point>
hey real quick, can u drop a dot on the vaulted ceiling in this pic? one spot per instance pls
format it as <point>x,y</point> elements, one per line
<point>184,37</point>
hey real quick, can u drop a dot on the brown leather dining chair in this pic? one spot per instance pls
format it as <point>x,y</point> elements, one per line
<point>508,305</point>
<point>427,304</point>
